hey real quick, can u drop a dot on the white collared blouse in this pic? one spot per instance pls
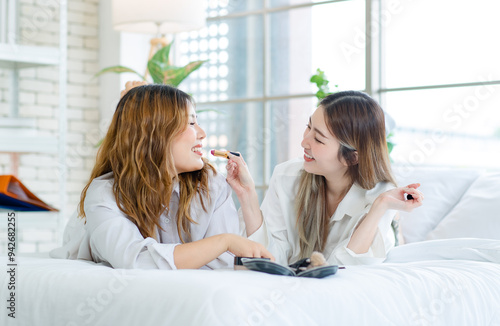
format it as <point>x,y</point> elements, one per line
<point>109,236</point>
<point>280,235</point>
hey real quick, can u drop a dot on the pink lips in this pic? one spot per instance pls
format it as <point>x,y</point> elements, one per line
<point>198,148</point>
<point>308,159</point>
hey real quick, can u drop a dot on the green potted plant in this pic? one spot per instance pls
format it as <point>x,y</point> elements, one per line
<point>322,83</point>
<point>324,90</point>
<point>160,69</point>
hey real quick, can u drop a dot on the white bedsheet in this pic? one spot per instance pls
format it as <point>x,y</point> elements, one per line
<point>424,292</point>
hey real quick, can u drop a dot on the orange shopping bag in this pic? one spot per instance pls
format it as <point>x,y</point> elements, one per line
<point>15,196</point>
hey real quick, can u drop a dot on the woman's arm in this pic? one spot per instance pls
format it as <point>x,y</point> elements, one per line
<point>272,223</point>
<point>113,238</point>
<point>364,234</point>
<point>199,253</point>
<point>241,182</point>
<point>119,242</point>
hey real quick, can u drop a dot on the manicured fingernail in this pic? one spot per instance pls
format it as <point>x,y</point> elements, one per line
<point>235,154</point>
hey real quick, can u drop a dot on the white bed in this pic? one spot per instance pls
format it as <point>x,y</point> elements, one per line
<point>437,282</point>
<point>425,292</point>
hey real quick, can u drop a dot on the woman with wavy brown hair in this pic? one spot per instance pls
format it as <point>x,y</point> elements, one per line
<point>339,199</point>
<point>152,200</point>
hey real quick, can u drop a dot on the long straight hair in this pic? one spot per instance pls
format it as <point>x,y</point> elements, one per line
<point>138,150</point>
<point>357,121</point>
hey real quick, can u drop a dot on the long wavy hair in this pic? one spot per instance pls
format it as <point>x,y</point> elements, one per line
<point>138,150</point>
<point>358,123</point>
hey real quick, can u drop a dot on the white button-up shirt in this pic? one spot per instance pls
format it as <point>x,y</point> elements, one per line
<point>110,237</point>
<point>280,234</point>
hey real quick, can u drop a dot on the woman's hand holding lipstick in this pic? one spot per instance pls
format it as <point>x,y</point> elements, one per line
<point>235,180</point>
<point>403,198</point>
<point>241,181</point>
<point>238,176</point>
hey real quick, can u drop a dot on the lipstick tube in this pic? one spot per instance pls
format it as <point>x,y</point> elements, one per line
<point>218,153</point>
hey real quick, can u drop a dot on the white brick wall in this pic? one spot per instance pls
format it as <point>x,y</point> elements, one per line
<point>28,98</point>
<point>39,99</point>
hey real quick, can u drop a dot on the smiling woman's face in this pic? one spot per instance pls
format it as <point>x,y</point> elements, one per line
<point>186,148</point>
<point>321,148</point>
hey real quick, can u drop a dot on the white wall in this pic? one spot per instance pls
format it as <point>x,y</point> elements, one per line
<point>130,50</point>
<point>39,100</point>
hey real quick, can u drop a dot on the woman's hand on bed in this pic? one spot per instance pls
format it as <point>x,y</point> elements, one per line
<point>397,198</point>
<point>242,247</point>
<point>199,253</point>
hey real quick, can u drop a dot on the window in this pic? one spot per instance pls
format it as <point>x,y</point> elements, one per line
<point>432,65</point>
<point>254,92</point>
<point>442,81</point>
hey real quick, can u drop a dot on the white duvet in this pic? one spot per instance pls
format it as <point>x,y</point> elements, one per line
<point>446,282</point>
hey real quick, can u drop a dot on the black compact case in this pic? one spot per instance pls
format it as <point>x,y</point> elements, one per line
<point>238,264</point>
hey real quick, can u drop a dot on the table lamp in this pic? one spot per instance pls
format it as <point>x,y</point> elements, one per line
<point>158,17</point>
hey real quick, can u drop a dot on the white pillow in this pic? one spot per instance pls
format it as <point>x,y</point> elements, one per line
<point>477,215</point>
<point>442,189</point>
<point>446,249</point>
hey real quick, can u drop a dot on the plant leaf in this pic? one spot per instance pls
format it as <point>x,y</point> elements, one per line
<point>99,143</point>
<point>162,54</point>
<point>322,83</point>
<point>159,63</point>
<point>175,75</point>
<point>118,70</point>
<point>156,71</point>
<point>390,146</point>
<point>172,76</point>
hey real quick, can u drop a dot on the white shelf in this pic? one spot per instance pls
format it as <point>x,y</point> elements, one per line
<point>19,136</point>
<point>37,218</point>
<point>28,144</point>
<point>32,219</point>
<point>26,56</point>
